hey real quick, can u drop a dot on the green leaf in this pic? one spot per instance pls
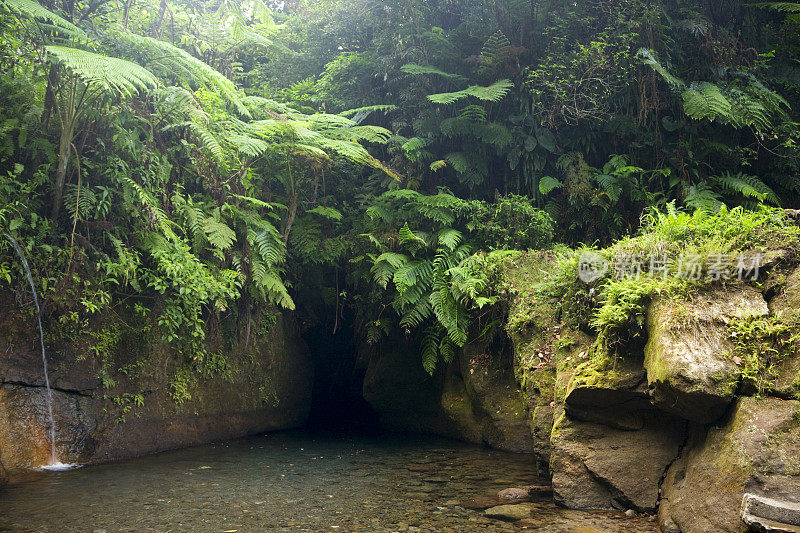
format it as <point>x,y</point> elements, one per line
<point>327,212</point>
<point>548,184</point>
<point>110,73</point>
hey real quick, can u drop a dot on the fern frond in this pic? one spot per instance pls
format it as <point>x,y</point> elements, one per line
<point>648,57</point>
<point>783,7</point>
<point>179,61</point>
<point>33,10</point>
<point>493,93</point>
<point>327,212</point>
<point>110,73</point>
<point>747,186</point>
<point>418,70</point>
<point>429,350</point>
<point>705,101</point>
<point>219,234</point>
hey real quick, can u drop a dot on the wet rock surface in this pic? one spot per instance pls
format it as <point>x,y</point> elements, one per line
<point>296,482</point>
<point>269,389</point>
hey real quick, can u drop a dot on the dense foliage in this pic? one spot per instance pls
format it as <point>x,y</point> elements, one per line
<point>368,162</point>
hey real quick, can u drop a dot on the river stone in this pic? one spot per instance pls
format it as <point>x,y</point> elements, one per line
<point>767,514</point>
<point>511,512</point>
<point>513,494</point>
<point>687,360</point>
<point>757,451</point>
<point>598,467</point>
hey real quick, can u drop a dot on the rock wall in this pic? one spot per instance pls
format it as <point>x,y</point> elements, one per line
<point>115,387</point>
<point>475,398</point>
<point>672,423</point>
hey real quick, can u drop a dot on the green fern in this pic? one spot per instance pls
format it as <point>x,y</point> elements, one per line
<point>783,7</point>
<point>705,101</point>
<point>493,93</point>
<point>219,234</point>
<point>109,73</point>
<point>418,70</point>
<point>178,61</point>
<point>746,186</point>
<point>29,9</point>
<point>648,57</point>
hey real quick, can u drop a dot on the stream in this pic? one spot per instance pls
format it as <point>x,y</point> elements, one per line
<point>294,481</point>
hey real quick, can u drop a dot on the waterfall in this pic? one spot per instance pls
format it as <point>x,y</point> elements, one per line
<point>49,398</point>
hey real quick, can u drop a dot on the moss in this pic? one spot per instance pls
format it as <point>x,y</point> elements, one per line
<point>761,344</point>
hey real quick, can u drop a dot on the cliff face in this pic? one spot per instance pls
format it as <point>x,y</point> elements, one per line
<point>691,413</point>
<point>120,391</point>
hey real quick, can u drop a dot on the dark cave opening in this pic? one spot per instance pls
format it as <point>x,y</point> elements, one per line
<point>337,401</point>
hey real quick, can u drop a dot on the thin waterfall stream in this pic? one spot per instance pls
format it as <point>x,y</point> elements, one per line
<point>54,464</point>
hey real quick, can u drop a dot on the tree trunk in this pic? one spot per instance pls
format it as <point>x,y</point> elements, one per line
<point>293,203</point>
<point>64,145</point>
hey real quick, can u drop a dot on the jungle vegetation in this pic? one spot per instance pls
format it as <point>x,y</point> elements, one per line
<point>368,161</point>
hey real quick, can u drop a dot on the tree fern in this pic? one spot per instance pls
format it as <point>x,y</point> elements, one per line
<point>29,9</point>
<point>705,100</point>
<point>178,61</point>
<point>493,93</point>
<point>109,73</point>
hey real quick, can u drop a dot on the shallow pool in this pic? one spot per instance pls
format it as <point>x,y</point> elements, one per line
<point>294,482</point>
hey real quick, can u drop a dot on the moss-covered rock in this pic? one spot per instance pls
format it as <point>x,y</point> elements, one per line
<point>689,367</point>
<point>756,450</point>
<point>611,392</point>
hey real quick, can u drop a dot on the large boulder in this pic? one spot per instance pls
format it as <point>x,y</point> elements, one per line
<point>595,466</point>
<point>610,392</point>
<point>757,450</point>
<point>687,358</point>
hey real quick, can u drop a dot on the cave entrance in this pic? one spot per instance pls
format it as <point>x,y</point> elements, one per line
<point>337,402</point>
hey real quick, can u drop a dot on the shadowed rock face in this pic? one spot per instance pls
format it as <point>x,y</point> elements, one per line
<point>268,388</point>
<point>756,450</point>
<point>476,398</point>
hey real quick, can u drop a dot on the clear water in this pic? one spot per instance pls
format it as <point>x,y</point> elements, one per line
<point>292,482</point>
